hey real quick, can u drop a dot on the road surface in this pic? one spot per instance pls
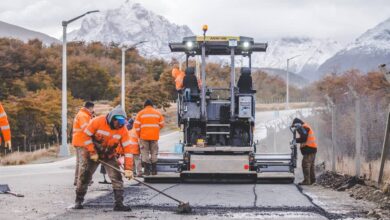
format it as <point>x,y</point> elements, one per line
<point>49,194</point>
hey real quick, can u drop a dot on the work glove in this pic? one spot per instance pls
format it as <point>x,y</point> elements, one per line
<point>94,157</point>
<point>8,145</point>
<point>129,174</point>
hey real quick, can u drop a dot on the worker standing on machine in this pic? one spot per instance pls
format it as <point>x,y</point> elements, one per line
<point>178,76</point>
<point>79,124</point>
<point>5,130</point>
<point>308,149</point>
<point>148,123</point>
<point>101,138</point>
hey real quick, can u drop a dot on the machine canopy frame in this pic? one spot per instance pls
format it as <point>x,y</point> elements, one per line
<point>218,45</point>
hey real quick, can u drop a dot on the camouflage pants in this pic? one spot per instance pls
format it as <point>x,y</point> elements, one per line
<point>78,162</point>
<point>308,168</point>
<point>88,168</point>
<point>149,151</point>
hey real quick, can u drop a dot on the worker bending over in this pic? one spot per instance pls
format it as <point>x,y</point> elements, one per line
<point>101,138</point>
<point>79,124</point>
<point>148,123</point>
<point>308,149</point>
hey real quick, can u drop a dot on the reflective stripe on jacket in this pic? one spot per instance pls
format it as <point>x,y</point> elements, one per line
<point>134,140</point>
<point>4,125</point>
<point>148,123</point>
<point>80,122</point>
<point>98,130</point>
<point>311,139</point>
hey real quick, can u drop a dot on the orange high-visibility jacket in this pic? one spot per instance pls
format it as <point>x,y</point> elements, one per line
<point>311,139</point>
<point>134,140</point>
<point>148,123</point>
<point>100,130</point>
<point>178,76</point>
<point>80,123</point>
<point>4,125</point>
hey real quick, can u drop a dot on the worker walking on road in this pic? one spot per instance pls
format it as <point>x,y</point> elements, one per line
<point>308,149</point>
<point>79,124</point>
<point>101,138</point>
<point>5,130</point>
<point>148,123</point>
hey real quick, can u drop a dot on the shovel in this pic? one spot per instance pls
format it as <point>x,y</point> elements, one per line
<point>4,188</point>
<point>183,207</point>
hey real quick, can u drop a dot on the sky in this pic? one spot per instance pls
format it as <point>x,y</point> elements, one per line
<point>342,20</point>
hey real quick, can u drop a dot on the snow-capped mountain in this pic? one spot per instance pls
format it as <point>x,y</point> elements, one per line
<point>129,24</point>
<point>368,51</point>
<point>23,34</point>
<point>310,52</point>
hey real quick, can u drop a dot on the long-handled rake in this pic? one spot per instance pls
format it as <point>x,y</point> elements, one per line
<point>183,207</point>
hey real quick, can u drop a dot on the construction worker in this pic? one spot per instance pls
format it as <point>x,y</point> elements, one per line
<point>5,130</point>
<point>178,76</point>
<point>101,138</point>
<point>308,149</point>
<point>79,124</point>
<point>148,123</point>
<point>134,142</point>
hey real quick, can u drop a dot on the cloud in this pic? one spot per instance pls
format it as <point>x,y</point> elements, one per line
<point>262,19</point>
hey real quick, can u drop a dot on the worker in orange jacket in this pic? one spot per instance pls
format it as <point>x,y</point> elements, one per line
<point>79,124</point>
<point>148,123</point>
<point>135,145</point>
<point>5,130</point>
<point>101,138</point>
<point>308,147</point>
<point>178,76</point>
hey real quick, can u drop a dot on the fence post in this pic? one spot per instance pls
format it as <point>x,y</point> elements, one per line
<point>358,136</point>
<point>333,109</point>
<point>385,149</point>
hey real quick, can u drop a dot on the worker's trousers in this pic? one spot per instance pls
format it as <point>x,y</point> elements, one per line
<point>78,161</point>
<point>149,151</point>
<point>308,162</point>
<point>88,168</point>
<point>138,163</point>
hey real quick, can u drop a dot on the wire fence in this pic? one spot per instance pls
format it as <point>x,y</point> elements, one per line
<point>31,147</point>
<point>350,134</point>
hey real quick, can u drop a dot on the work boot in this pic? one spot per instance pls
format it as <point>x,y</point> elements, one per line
<point>147,167</point>
<point>79,200</point>
<point>304,183</point>
<point>118,195</point>
<point>154,169</point>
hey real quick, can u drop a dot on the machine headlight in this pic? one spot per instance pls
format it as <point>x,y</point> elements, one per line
<point>245,45</point>
<point>189,44</point>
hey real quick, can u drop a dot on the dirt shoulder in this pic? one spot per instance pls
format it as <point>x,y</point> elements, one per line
<point>359,189</point>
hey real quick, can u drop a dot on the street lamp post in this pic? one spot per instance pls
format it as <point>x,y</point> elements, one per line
<point>64,142</point>
<point>288,81</point>
<point>123,78</point>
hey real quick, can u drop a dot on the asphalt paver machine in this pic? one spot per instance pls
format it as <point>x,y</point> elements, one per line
<point>218,123</point>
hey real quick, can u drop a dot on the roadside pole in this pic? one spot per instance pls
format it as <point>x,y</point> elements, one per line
<point>385,149</point>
